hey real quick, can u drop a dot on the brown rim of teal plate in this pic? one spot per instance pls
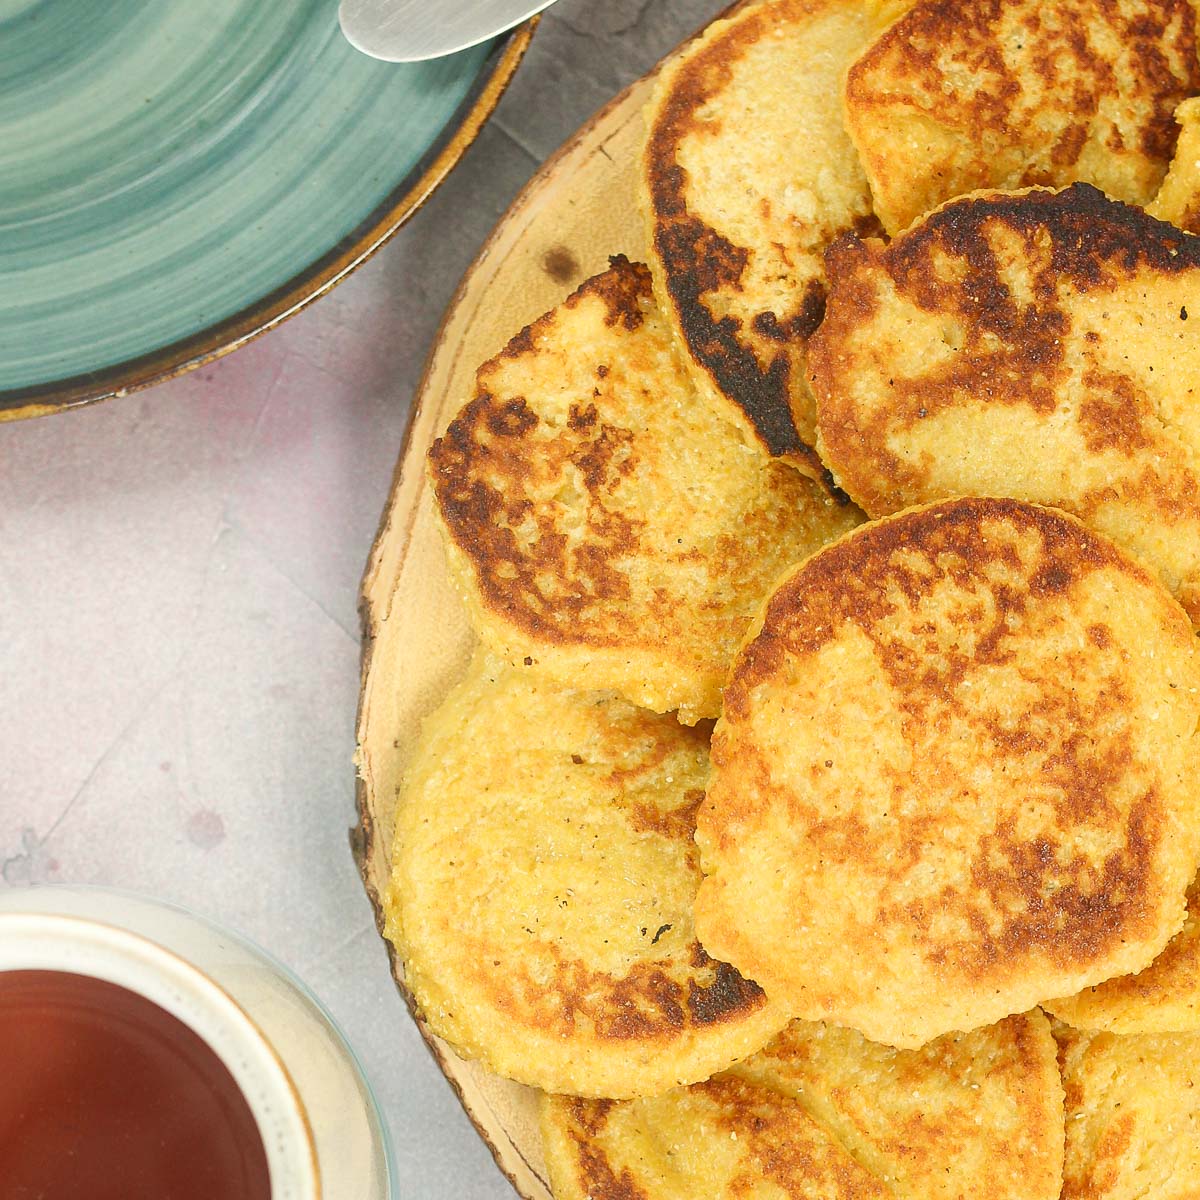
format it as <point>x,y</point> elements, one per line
<point>314,281</point>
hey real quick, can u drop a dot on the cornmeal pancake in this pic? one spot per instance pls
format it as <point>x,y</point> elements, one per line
<point>959,95</point>
<point>723,1138</point>
<point>747,176</point>
<point>1164,998</point>
<point>1040,345</point>
<point>1133,1116</point>
<point>954,774</point>
<point>970,1114</point>
<point>823,1112</point>
<point>541,892</point>
<point>1178,200</point>
<point>604,523</point>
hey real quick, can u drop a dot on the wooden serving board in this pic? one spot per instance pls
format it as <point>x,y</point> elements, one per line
<point>574,213</point>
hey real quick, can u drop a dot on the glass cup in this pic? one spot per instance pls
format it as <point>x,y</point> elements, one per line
<point>319,1122</point>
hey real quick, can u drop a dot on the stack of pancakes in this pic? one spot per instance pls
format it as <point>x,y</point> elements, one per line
<point>818,816</point>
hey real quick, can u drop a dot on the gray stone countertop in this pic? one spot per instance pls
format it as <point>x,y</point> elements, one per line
<point>178,582</point>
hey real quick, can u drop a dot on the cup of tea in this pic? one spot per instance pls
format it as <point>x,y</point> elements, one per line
<point>149,1052</point>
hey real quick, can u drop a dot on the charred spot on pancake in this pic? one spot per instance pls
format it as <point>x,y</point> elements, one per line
<point>698,261</point>
<point>625,289</point>
<point>589,1115</point>
<point>1086,911</point>
<point>847,257</point>
<point>510,419</point>
<point>745,335</point>
<point>640,1006</point>
<point>651,1001</point>
<point>726,995</point>
<point>802,324</point>
<point>1164,998</point>
<point>701,260</point>
<point>598,1180</point>
<point>581,417</point>
<point>1077,235</point>
<point>1092,237</point>
<point>522,343</point>
<point>678,823</point>
<point>1114,413</point>
<point>767,323</point>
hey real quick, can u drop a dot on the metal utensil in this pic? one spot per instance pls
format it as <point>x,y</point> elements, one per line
<point>413,30</point>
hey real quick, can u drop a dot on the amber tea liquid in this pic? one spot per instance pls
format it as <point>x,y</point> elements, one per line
<point>106,1096</point>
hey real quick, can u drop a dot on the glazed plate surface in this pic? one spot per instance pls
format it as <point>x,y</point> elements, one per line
<point>176,177</point>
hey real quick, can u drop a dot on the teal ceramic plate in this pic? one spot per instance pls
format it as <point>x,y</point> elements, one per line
<point>178,175</point>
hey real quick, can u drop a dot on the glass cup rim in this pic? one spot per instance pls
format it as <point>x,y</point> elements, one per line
<point>102,948</point>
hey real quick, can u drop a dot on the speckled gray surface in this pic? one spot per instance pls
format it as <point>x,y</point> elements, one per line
<point>178,582</point>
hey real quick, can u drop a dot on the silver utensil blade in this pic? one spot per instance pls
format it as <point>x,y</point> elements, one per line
<point>414,30</point>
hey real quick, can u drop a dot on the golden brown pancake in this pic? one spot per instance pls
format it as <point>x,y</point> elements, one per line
<point>747,176</point>
<point>959,95</point>
<point>725,1137</point>
<point>1164,998</point>
<point>606,525</point>
<point>823,1112</point>
<point>1178,200</point>
<point>541,891</point>
<point>1133,1116</point>
<point>954,774</point>
<point>1039,345</point>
